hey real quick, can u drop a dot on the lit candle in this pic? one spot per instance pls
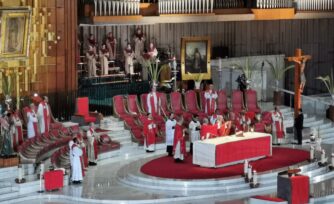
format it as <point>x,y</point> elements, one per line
<point>312,153</point>
<point>245,167</point>
<point>249,172</point>
<point>254,177</point>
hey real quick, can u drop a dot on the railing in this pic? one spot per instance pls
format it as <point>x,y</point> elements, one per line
<point>116,7</point>
<point>268,4</point>
<point>185,6</point>
<point>314,5</point>
<point>316,105</point>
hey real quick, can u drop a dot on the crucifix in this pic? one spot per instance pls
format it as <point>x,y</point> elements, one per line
<point>299,60</point>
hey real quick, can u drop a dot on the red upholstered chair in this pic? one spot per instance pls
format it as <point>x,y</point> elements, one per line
<point>119,108</point>
<point>143,102</point>
<point>164,103</point>
<point>202,100</point>
<point>252,101</point>
<point>222,102</point>
<point>133,105</point>
<point>177,106</point>
<point>82,114</point>
<point>190,100</point>
<point>259,127</point>
<point>237,104</point>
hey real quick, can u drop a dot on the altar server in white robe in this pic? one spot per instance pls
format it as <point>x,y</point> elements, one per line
<point>92,145</point>
<point>170,128</point>
<point>76,162</point>
<point>32,125</point>
<point>70,143</point>
<point>43,116</point>
<point>194,128</point>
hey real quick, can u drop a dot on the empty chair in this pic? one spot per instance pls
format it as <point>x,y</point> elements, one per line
<point>237,101</point>
<point>177,106</point>
<point>251,101</point>
<point>119,108</point>
<point>82,114</point>
<point>191,104</point>
<point>222,102</point>
<point>133,105</point>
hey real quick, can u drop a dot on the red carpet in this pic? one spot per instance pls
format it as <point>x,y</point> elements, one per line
<point>165,167</point>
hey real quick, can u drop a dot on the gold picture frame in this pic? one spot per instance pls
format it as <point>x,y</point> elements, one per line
<point>195,58</point>
<point>14,32</point>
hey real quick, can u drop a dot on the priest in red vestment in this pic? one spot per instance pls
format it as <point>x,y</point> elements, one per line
<point>150,132</point>
<point>277,126</point>
<point>210,100</point>
<point>153,102</point>
<point>179,144</point>
<point>17,132</point>
<point>208,131</point>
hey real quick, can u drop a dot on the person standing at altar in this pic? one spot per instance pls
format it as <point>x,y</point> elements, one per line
<point>77,173</point>
<point>43,116</point>
<point>170,129</point>
<point>92,145</point>
<point>152,51</point>
<point>139,40</point>
<point>194,128</point>
<point>32,125</point>
<point>207,131</point>
<point>179,144</point>
<point>214,117</point>
<point>210,100</point>
<point>153,101</point>
<point>104,54</point>
<point>299,124</point>
<point>150,132</point>
<point>128,58</point>
<point>111,45</point>
<point>277,126</point>
<point>243,121</point>
<point>91,61</point>
<point>16,129</point>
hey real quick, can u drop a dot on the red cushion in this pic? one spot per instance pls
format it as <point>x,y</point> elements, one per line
<point>83,106</point>
<point>273,199</point>
<point>105,139</point>
<point>89,119</point>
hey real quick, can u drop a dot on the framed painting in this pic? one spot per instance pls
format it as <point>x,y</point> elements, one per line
<point>195,58</point>
<point>14,33</point>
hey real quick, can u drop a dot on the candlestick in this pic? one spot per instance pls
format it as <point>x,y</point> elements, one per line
<point>254,177</point>
<point>245,167</point>
<point>312,153</point>
<point>323,156</point>
<point>249,172</point>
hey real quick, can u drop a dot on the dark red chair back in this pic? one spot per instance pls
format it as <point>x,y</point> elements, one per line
<point>237,99</point>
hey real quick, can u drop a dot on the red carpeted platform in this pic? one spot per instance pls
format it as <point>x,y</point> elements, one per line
<point>165,167</point>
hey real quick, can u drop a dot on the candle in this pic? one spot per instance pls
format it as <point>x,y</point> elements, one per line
<point>332,160</point>
<point>323,156</point>
<point>312,153</point>
<point>220,64</point>
<point>254,177</point>
<point>20,176</point>
<point>41,170</point>
<point>249,172</point>
<point>245,167</point>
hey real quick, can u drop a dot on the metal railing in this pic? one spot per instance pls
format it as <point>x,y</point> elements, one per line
<point>316,105</point>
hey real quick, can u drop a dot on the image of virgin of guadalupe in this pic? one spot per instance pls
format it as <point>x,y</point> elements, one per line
<point>14,35</point>
<point>195,59</point>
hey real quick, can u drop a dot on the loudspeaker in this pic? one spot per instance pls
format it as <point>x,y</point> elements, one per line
<point>220,52</point>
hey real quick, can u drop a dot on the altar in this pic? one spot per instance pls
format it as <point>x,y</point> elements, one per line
<point>229,150</point>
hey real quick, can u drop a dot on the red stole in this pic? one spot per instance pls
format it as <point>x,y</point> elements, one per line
<point>178,137</point>
<point>150,131</point>
<point>279,127</point>
<point>35,124</point>
<point>45,116</point>
<point>152,104</point>
<point>210,105</point>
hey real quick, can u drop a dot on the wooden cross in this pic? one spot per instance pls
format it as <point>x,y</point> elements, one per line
<point>298,58</point>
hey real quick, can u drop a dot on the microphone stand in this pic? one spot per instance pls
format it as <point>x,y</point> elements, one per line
<point>262,99</point>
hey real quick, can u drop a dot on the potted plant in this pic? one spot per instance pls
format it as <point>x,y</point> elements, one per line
<point>278,72</point>
<point>152,65</point>
<point>329,83</point>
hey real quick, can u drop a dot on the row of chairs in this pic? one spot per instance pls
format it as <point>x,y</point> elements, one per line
<point>133,111</point>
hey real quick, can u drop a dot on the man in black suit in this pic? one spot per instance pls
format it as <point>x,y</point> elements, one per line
<point>299,121</point>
